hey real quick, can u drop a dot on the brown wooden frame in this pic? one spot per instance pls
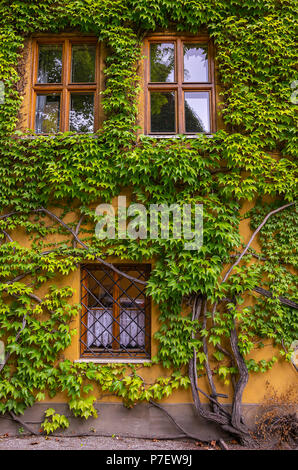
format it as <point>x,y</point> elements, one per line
<point>116,352</point>
<point>179,87</point>
<point>66,87</point>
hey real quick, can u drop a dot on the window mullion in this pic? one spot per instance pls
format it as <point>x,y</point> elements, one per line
<point>65,80</point>
<point>35,49</point>
<point>97,91</point>
<point>179,66</point>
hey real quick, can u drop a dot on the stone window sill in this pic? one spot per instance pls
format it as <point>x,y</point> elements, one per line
<point>114,361</point>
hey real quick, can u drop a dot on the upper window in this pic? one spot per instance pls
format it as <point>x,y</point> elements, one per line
<point>179,85</point>
<point>115,320</point>
<point>65,83</point>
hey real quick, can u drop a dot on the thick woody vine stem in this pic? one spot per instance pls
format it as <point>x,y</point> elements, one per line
<point>186,433</point>
<point>283,300</point>
<point>230,422</point>
<point>207,365</point>
<point>235,423</point>
<point>23,424</point>
<point>237,420</point>
<point>78,229</point>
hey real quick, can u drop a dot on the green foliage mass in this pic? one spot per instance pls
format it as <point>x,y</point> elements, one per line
<point>252,159</point>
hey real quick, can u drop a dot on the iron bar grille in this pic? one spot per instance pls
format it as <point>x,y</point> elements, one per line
<point>116,314</point>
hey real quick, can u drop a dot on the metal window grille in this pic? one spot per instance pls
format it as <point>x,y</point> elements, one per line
<point>116,317</point>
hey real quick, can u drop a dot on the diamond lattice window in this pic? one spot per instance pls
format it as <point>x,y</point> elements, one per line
<point>116,318</point>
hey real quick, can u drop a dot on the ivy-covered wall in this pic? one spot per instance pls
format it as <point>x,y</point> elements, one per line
<point>50,187</point>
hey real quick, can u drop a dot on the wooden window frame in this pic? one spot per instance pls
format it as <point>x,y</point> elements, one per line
<point>116,353</point>
<point>179,86</point>
<point>65,88</point>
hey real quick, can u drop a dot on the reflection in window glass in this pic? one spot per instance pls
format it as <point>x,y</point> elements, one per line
<point>83,63</point>
<point>49,63</point>
<point>47,114</point>
<point>197,116</point>
<point>81,115</point>
<point>162,62</point>
<point>163,112</point>
<point>195,63</point>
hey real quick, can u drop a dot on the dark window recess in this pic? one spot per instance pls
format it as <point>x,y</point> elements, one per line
<point>163,112</point>
<point>115,320</point>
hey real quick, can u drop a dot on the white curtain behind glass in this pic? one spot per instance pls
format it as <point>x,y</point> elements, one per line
<point>132,324</point>
<point>100,328</point>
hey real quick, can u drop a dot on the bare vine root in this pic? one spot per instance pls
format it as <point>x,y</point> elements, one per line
<point>231,422</point>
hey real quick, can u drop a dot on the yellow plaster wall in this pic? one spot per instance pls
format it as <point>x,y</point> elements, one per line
<point>281,376</point>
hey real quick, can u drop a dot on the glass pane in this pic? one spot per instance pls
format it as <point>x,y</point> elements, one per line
<point>83,63</point>
<point>162,62</point>
<point>197,116</point>
<point>100,289</point>
<point>81,115</point>
<point>163,112</point>
<point>132,312</point>
<point>195,63</point>
<point>49,63</point>
<point>98,299</point>
<point>47,115</point>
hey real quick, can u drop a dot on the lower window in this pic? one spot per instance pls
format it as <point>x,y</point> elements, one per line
<point>116,314</point>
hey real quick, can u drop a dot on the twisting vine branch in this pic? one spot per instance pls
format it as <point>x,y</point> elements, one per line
<point>275,211</point>
<point>80,242</point>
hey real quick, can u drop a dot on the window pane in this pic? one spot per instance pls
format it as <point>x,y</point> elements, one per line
<point>81,115</point>
<point>116,314</point>
<point>132,313</point>
<point>49,63</point>
<point>47,115</point>
<point>163,112</point>
<point>98,299</point>
<point>83,63</point>
<point>196,105</point>
<point>162,62</point>
<point>195,63</point>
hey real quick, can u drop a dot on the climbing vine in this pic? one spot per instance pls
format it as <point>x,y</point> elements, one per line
<point>50,188</point>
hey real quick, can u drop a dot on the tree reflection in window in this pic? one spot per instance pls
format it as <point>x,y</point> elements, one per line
<point>195,63</point>
<point>47,113</point>
<point>180,85</point>
<point>49,63</point>
<point>196,108</point>
<point>83,63</point>
<point>81,115</point>
<point>162,62</point>
<point>163,112</point>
